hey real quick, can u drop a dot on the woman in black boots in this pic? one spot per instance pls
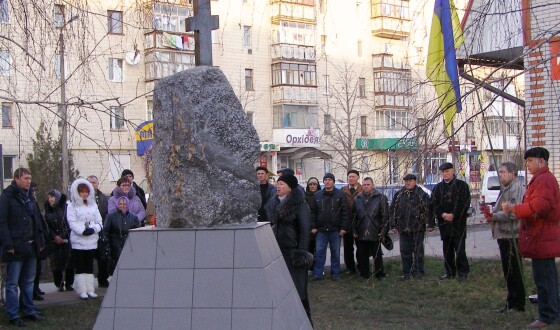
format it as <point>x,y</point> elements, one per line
<point>55,217</point>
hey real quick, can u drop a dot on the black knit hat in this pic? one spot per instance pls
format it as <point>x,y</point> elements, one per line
<point>329,176</point>
<point>537,152</point>
<point>353,171</point>
<point>127,172</point>
<point>290,180</point>
<point>445,166</point>
<point>409,176</point>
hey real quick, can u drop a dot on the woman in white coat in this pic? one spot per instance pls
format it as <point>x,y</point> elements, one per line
<point>85,223</point>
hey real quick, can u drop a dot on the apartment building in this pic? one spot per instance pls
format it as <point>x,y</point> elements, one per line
<point>327,84</point>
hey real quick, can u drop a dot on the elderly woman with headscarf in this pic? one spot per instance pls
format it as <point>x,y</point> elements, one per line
<point>125,188</point>
<point>59,235</point>
<point>289,217</point>
<point>117,225</point>
<point>85,224</point>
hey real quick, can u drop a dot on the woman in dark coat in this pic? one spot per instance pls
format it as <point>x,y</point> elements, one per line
<point>116,227</point>
<point>59,232</point>
<point>313,186</point>
<point>289,217</point>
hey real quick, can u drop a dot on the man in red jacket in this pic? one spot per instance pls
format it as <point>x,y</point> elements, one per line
<point>539,232</point>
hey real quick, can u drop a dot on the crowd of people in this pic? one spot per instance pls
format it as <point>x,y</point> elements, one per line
<point>69,233</point>
<point>73,232</point>
<point>525,224</point>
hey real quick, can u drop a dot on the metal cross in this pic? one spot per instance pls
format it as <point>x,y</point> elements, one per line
<point>202,23</point>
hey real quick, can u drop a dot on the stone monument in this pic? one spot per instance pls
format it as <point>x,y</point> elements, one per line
<point>208,264</point>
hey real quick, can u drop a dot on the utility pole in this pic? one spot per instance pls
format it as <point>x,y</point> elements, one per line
<point>64,111</point>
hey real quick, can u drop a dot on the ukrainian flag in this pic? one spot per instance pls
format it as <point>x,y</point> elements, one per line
<point>446,36</point>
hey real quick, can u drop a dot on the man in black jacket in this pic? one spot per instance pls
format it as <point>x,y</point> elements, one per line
<point>22,237</point>
<point>330,220</point>
<point>267,190</point>
<point>450,202</point>
<point>103,206</point>
<point>409,214</point>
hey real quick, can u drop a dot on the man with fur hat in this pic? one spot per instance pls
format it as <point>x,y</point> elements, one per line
<point>350,192</point>
<point>539,232</point>
<point>450,202</point>
<point>330,220</point>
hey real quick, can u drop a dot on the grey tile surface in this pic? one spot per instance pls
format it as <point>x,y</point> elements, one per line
<point>214,249</point>
<point>246,251</point>
<point>251,289</point>
<point>111,294</point>
<point>172,318</point>
<point>279,279</point>
<point>211,319</point>
<point>105,319</point>
<point>133,318</point>
<point>175,249</point>
<point>251,319</point>
<point>290,313</point>
<point>135,288</point>
<point>173,288</point>
<point>212,288</point>
<point>139,250</point>
<point>267,244</point>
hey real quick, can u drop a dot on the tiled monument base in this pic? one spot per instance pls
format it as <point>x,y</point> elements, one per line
<point>231,277</point>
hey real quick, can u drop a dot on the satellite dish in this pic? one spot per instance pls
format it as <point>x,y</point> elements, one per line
<point>132,58</point>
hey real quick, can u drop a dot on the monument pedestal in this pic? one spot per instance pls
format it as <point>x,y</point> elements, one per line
<point>230,277</point>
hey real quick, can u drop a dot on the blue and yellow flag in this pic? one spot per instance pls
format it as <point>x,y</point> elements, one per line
<point>441,68</point>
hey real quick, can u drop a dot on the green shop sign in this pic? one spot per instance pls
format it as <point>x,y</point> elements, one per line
<point>387,144</point>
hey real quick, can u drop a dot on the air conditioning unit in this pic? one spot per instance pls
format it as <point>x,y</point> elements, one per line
<point>250,51</point>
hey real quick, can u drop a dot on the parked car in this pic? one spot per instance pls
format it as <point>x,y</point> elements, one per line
<point>491,186</point>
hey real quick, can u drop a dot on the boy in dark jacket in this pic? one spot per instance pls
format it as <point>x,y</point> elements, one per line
<point>330,220</point>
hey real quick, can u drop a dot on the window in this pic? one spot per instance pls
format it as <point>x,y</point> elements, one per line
<point>326,84</point>
<point>294,33</point>
<point>149,109</point>
<point>59,19</point>
<point>114,21</point>
<point>294,74</point>
<point>246,36</point>
<point>390,8</point>
<point>469,130</point>
<point>6,114</point>
<point>170,18</point>
<point>496,124</point>
<point>328,128</point>
<point>117,117</point>
<point>433,161</point>
<point>249,79</point>
<point>363,125</point>
<point>5,62</point>
<point>250,115</point>
<point>116,70</point>
<point>57,67</point>
<point>162,64</point>
<point>4,11</point>
<point>294,116</point>
<point>359,48</point>
<point>393,120</point>
<point>8,167</point>
<point>392,82</point>
<point>394,176</point>
<point>362,87</point>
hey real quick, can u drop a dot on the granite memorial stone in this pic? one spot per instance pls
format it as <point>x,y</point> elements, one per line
<point>203,153</point>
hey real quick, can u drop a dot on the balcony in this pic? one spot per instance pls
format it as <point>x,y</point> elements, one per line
<point>390,28</point>
<point>293,53</point>
<point>293,12</point>
<point>392,80</point>
<point>294,95</point>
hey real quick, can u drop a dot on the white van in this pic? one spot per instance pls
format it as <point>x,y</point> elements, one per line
<point>491,186</point>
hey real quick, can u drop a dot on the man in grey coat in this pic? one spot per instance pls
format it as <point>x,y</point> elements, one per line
<point>505,228</point>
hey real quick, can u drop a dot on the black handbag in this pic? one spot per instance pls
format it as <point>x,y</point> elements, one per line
<point>301,258</point>
<point>387,242</point>
<point>104,246</point>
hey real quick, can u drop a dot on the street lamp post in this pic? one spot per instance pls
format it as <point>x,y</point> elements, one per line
<point>63,110</point>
